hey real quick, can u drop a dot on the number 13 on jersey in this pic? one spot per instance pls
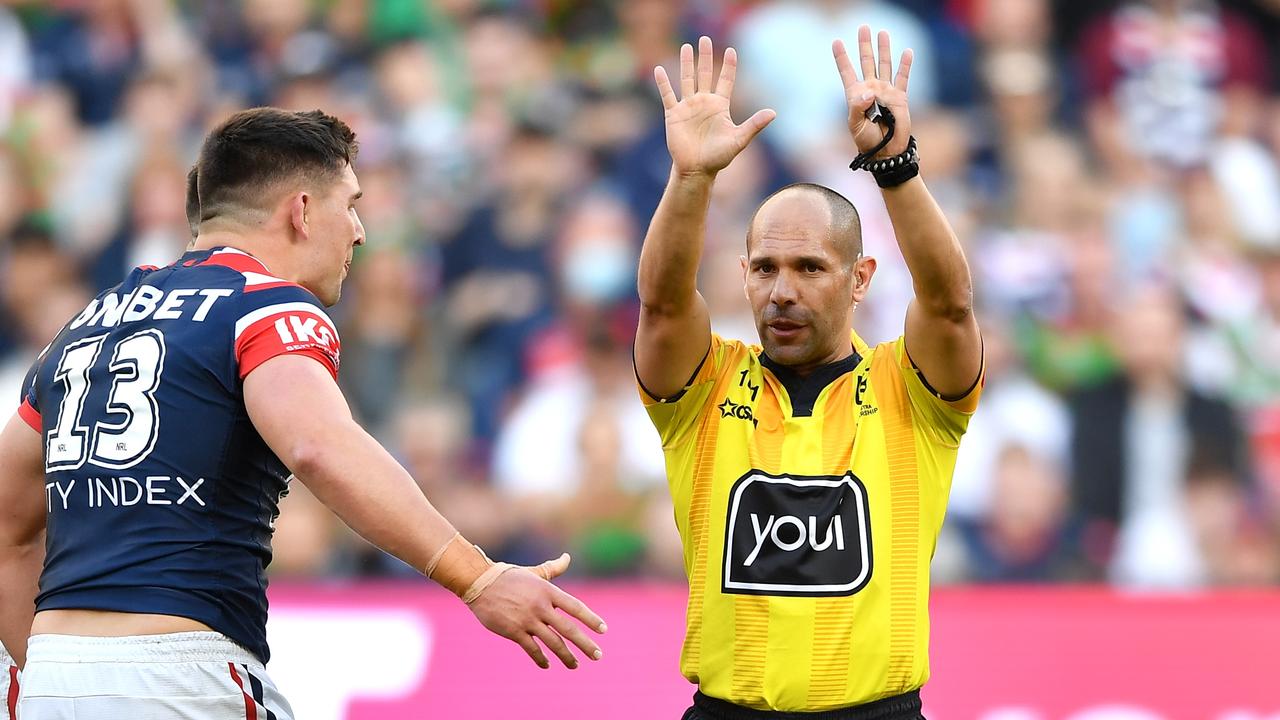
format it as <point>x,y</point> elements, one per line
<point>125,420</point>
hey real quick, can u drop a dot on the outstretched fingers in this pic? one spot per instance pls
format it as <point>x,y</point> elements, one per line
<point>687,82</point>
<point>531,647</point>
<point>848,75</point>
<point>665,91</point>
<point>578,610</point>
<point>753,125</point>
<point>866,55</point>
<point>574,633</point>
<point>556,645</point>
<point>706,63</point>
<point>886,57</point>
<point>728,73</point>
<point>904,70</point>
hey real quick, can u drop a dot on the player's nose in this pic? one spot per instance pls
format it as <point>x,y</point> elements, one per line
<point>359,238</point>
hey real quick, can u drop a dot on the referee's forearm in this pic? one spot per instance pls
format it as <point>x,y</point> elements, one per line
<point>668,273</point>
<point>939,271</point>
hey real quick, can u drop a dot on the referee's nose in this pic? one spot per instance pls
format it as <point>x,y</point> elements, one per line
<point>785,290</point>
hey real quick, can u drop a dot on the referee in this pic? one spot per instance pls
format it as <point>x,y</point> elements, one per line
<point>810,473</point>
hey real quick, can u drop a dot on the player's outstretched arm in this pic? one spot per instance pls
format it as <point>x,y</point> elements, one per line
<point>302,415</point>
<point>22,518</point>
<point>675,328</point>
<point>941,332</point>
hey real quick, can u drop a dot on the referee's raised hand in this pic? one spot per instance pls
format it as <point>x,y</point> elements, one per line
<point>701,136</point>
<point>878,84</point>
<point>522,605</point>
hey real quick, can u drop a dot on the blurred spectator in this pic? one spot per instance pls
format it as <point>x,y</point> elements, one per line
<point>15,64</point>
<point>431,439</point>
<point>1163,77</point>
<point>1052,267</point>
<point>155,231</point>
<point>594,461</point>
<point>497,273</point>
<point>428,128</point>
<point>308,538</point>
<point>1010,399</point>
<point>95,48</point>
<point>1139,442</point>
<point>1024,537</point>
<point>382,328</point>
<point>39,292</point>
<point>13,191</point>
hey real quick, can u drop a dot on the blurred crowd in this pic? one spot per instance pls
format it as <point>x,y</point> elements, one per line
<point>1111,167</point>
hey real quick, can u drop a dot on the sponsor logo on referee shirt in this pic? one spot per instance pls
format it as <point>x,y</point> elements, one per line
<point>797,535</point>
<point>731,409</point>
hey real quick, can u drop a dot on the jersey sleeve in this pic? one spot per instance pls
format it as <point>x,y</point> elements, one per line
<point>28,405</point>
<point>676,417</point>
<point>944,418</point>
<point>284,320</point>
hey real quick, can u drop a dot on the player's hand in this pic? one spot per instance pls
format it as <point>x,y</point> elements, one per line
<point>877,84</point>
<point>701,136</point>
<point>522,605</point>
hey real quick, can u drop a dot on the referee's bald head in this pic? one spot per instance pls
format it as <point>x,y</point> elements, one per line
<point>842,222</point>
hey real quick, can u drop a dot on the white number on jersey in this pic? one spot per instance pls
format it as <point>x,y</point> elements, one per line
<point>136,365</point>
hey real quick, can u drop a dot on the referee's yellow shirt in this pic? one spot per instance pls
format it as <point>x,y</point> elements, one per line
<point>809,509</point>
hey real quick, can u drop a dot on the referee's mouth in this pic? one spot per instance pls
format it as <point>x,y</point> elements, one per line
<point>785,329</point>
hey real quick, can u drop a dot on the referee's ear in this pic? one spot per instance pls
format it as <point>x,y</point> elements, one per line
<point>863,269</point>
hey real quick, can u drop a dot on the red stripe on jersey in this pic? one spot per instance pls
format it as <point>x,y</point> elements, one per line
<point>13,692</point>
<point>250,707</point>
<point>148,267</point>
<point>30,415</point>
<point>236,261</point>
<point>296,332</point>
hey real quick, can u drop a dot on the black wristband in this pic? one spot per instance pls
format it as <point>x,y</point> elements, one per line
<point>882,115</point>
<point>893,171</point>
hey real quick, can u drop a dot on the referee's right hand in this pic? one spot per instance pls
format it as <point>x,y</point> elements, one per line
<point>520,606</point>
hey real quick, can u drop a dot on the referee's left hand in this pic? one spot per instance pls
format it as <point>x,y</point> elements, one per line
<point>522,605</point>
<point>878,84</point>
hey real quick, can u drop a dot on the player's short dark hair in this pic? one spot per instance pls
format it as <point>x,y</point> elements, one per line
<point>846,226</point>
<point>255,149</point>
<point>193,199</point>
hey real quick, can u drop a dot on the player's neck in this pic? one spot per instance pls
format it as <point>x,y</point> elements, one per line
<point>262,249</point>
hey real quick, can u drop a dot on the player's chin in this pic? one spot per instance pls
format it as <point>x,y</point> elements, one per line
<point>332,294</point>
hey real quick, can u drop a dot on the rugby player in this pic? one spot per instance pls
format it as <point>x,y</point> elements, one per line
<point>810,472</point>
<point>159,430</point>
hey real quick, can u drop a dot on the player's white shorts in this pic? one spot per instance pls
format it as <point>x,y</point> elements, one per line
<point>193,676</point>
<point>8,686</point>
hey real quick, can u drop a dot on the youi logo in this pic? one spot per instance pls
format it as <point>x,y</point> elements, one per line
<point>797,535</point>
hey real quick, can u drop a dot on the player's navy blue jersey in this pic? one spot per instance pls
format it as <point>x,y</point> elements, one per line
<point>161,495</point>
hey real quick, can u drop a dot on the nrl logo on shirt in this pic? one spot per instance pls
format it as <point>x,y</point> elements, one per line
<point>797,535</point>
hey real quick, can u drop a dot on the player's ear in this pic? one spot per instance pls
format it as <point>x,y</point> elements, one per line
<point>299,208</point>
<point>742,260</point>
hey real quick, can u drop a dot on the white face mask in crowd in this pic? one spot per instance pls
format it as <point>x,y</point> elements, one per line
<point>598,270</point>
